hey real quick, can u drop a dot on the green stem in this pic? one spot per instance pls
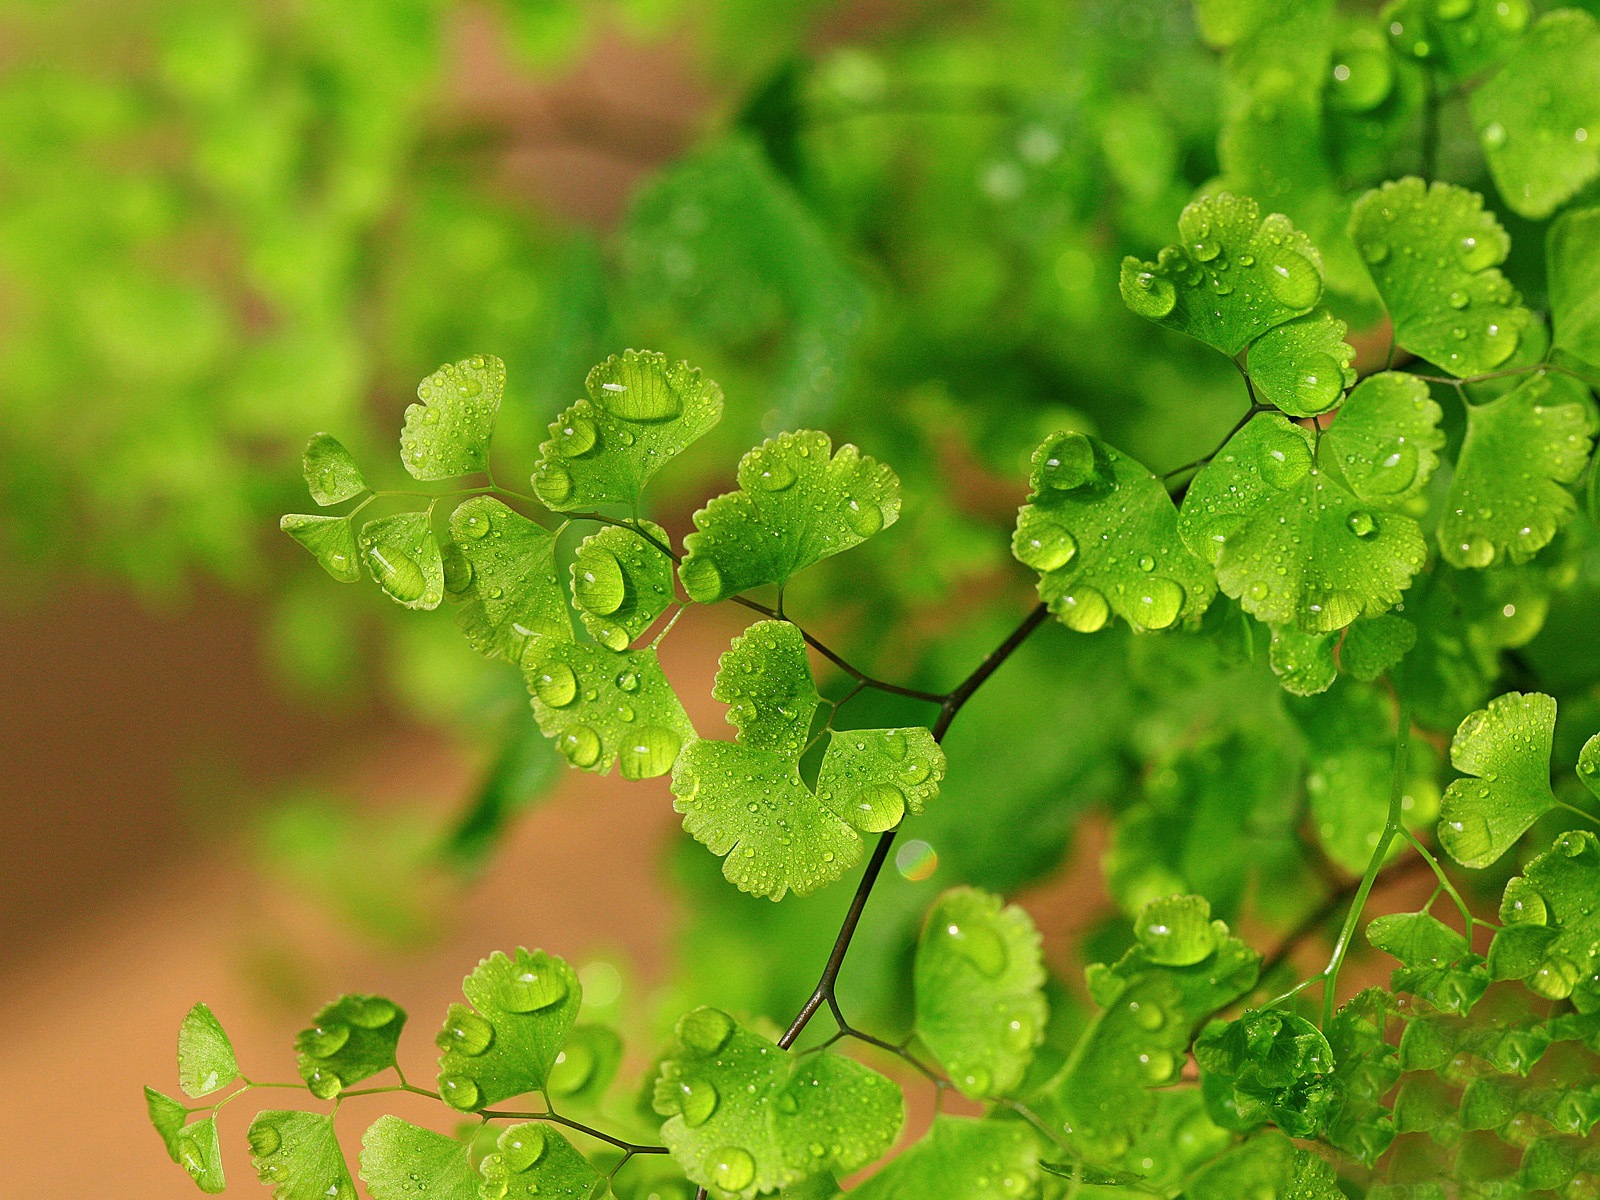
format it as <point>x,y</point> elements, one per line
<point>1448,888</point>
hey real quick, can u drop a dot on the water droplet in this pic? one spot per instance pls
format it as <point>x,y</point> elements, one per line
<point>476,525</point>
<point>1375,252</point>
<point>576,438</point>
<point>1499,343</point>
<point>980,945</point>
<point>1066,461</point>
<point>1084,610</point>
<point>324,1041</point>
<point>648,751</point>
<point>555,683</point>
<point>1146,563</point>
<point>1555,978</point>
<point>1286,459</point>
<point>1157,605</point>
<point>1362,79</point>
<point>1475,252</point>
<point>1258,590</point>
<point>553,483</point>
<point>864,517</point>
<point>264,1139</point>
<point>975,1082</point>
<point>628,681</point>
<point>916,860</point>
<point>1318,382</point>
<point>1020,1033</point>
<point>1159,1066</point>
<point>1459,299</point>
<point>731,1168</point>
<point>1474,551</point>
<point>598,584</point>
<point>648,396</point>
<point>1147,1014</point>
<point>1151,296</point>
<point>397,573</point>
<point>697,1100</point>
<point>459,1092</point>
<point>1042,544</point>
<point>701,579</point>
<point>521,1146</point>
<point>1512,15</point>
<point>878,806</point>
<point>1522,904</point>
<point>324,1084</point>
<point>527,985</point>
<point>1293,279</point>
<point>580,745</point>
<point>1494,135</point>
<point>1177,931</point>
<point>776,476</point>
<point>705,1030</point>
<point>1394,472</point>
<point>1362,523</point>
<point>573,1068</point>
<point>1468,838</point>
<point>465,1031</point>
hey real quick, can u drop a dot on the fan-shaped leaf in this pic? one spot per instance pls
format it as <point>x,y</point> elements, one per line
<point>205,1055</point>
<point>765,680</point>
<point>297,1155</point>
<point>198,1150</point>
<point>401,1161</point>
<point>1507,748</point>
<point>1303,366</point>
<point>404,557</point>
<point>534,1160</point>
<point>1572,265</point>
<point>1555,894</point>
<point>509,587</point>
<point>448,434</point>
<point>960,1158</point>
<point>622,582</point>
<point>331,541</point>
<point>331,473</point>
<point>349,1040</point>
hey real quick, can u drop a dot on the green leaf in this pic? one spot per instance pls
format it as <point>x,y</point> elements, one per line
<point>1386,438</point>
<point>198,1151</point>
<point>622,582</point>
<point>1433,252</point>
<point>533,1160</point>
<point>603,707</point>
<point>510,588</point>
<point>1507,747</point>
<point>960,1158</point>
<point>331,473</point>
<point>1507,496</point>
<point>1539,117</point>
<point>979,983</point>
<point>745,1116</point>
<point>1572,266</point>
<point>1303,366</point>
<point>587,1064</point>
<point>1589,765</point>
<point>795,506</point>
<point>1303,662</point>
<point>205,1055</point>
<point>1456,40</point>
<point>746,800</point>
<point>1102,533</point>
<point>525,1005</point>
<point>1555,893</point>
<point>297,1155</point>
<point>1289,538</point>
<point>168,1117</point>
<point>404,557</point>
<point>400,1161</point>
<point>1375,645</point>
<point>641,413</point>
<point>349,1040</point>
<point>1267,1066</point>
<point>331,541</point>
<point>1366,1068</point>
<point>764,678</point>
<point>1233,276</point>
<point>1266,1163</point>
<point>1417,939</point>
<point>448,434</point>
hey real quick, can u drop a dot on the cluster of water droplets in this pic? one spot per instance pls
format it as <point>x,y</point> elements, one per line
<point>1424,30</point>
<point>325,1040</point>
<point>645,749</point>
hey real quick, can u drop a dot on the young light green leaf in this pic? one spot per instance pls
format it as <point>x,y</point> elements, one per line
<point>297,1155</point>
<point>400,1161</point>
<point>871,778</point>
<point>1433,252</point>
<point>525,1004</point>
<point>1303,366</point>
<point>1373,645</point>
<point>765,680</point>
<point>1303,662</point>
<point>1555,893</point>
<point>404,557</point>
<point>534,1160</point>
<point>1572,266</point>
<point>1366,1068</point>
<point>1265,1066</point>
<point>622,582</point>
<point>1233,276</point>
<point>448,434</point>
<point>1266,1163</point>
<point>641,413</point>
<point>1507,747</point>
<point>795,506</point>
<point>349,1040</point>
<point>1507,496</point>
<point>960,1158</point>
<point>205,1055</point>
<point>744,1116</point>
<point>979,983</point>
<point>1386,438</point>
<point>198,1150</point>
<point>603,707</point>
<point>1418,939</point>
<point>331,541</point>
<point>1102,533</point>
<point>1289,539</point>
<point>509,582</point>
<point>167,1116</point>
<point>331,473</point>
<point>587,1064</point>
<point>1539,117</point>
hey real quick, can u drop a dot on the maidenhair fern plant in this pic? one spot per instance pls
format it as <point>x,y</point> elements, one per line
<point>1371,534</point>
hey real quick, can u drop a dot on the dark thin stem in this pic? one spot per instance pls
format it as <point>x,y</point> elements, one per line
<point>496,1114</point>
<point>1226,438</point>
<point>991,663</point>
<point>1332,903</point>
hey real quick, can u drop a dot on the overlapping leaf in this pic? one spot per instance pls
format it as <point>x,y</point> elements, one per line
<point>167,1117</point>
<point>746,800</point>
<point>1572,266</point>
<point>401,1161</point>
<point>1437,963</point>
<point>641,412</point>
<point>1539,117</point>
<point>297,1155</point>
<point>349,1040</point>
<point>534,1160</point>
<point>1233,276</point>
<point>1434,254</point>
<point>1102,533</point>
<point>1303,366</point>
<point>1366,1068</point>
<point>198,1150</point>
<point>505,1044</point>
<point>507,579</point>
<point>330,471</point>
<point>1554,897</point>
<point>448,434</point>
<point>403,555</point>
<point>1506,748</point>
<point>1456,39</point>
<point>745,1116</point>
<point>622,582</point>
<point>979,991</point>
<point>1374,645</point>
<point>795,506</point>
<point>330,540</point>
<point>1508,495</point>
<point>603,707</point>
<point>205,1055</point>
<point>1267,1066</point>
<point>960,1158</point>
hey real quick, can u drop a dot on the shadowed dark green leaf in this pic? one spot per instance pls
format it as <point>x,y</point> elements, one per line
<point>349,1040</point>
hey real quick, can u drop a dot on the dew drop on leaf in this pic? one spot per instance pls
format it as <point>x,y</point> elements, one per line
<point>465,1031</point>
<point>879,807</point>
<point>1177,931</point>
<point>865,518</point>
<point>576,438</point>
<point>1362,523</point>
<point>1151,296</point>
<point>264,1139</point>
<point>1157,605</point>
<point>573,1068</point>
<point>553,483</point>
<point>324,1041</point>
<point>1522,904</point>
<point>648,751</point>
<point>1043,544</point>
<point>580,745</point>
<point>647,398</point>
<point>1066,461</point>
<point>731,1168</point>
<point>1084,610</point>
<point>1293,279</point>
<point>697,1101</point>
<point>778,476</point>
<point>701,579</point>
<point>458,1092</point>
<point>598,584</point>
<point>525,988</point>
<point>1286,460</point>
<point>705,1030</point>
<point>324,1084</point>
<point>1556,977</point>
<point>521,1146</point>
<point>556,684</point>
<point>979,945</point>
